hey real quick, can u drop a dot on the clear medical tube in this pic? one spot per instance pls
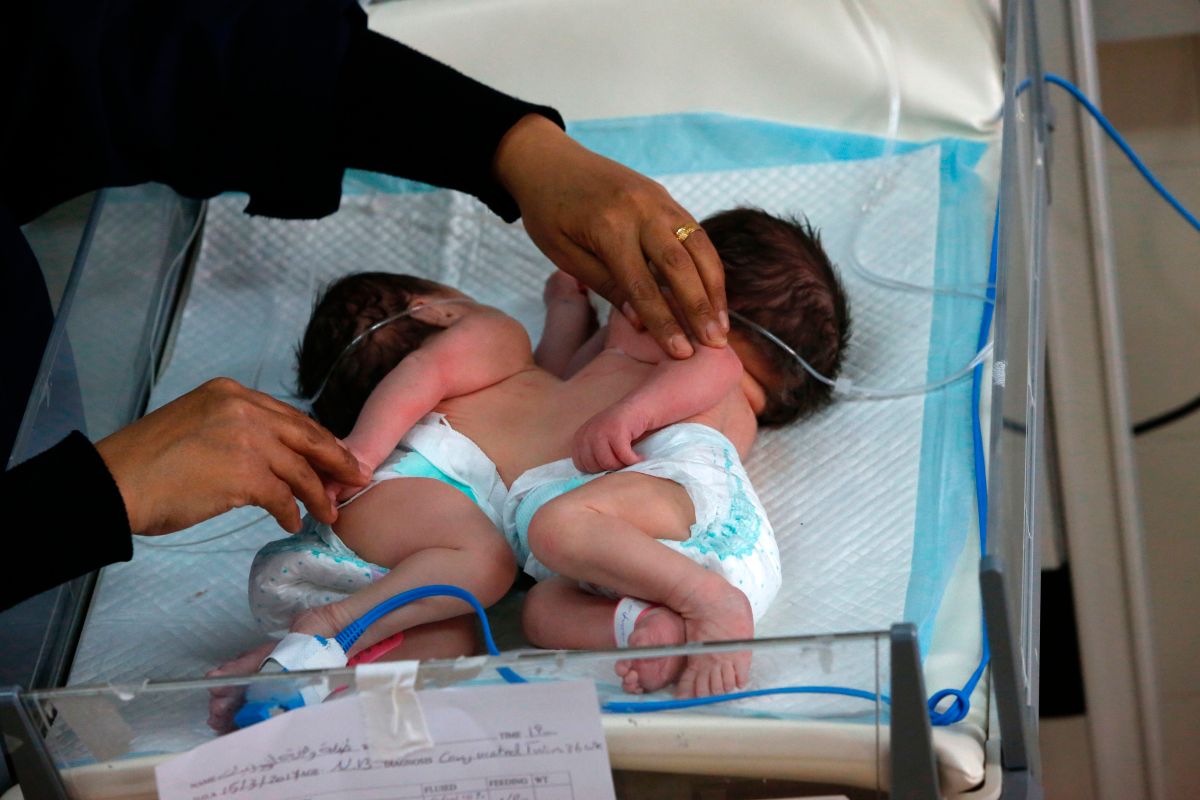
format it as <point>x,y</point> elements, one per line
<point>147,541</point>
<point>847,388</point>
<point>875,34</point>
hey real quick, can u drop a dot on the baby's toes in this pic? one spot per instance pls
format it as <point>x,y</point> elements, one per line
<point>221,711</point>
<point>741,667</point>
<point>729,680</point>
<point>630,683</point>
<point>686,687</point>
<point>622,668</point>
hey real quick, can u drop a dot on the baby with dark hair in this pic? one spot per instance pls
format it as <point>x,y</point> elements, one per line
<point>606,470</point>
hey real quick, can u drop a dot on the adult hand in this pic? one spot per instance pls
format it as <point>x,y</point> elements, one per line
<point>614,229</point>
<point>224,446</point>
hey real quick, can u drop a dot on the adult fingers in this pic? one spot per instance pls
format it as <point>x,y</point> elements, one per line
<point>712,273</point>
<point>592,272</point>
<point>675,263</point>
<point>629,267</point>
<point>318,447</point>
<point>276,497</point>
<point>298,474</point>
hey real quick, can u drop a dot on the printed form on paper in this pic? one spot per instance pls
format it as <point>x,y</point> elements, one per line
<point>541,741</point>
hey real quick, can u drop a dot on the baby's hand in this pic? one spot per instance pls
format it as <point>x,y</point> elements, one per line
<point>605,442</point>
<point>339,492</point>
<point>561,287</point>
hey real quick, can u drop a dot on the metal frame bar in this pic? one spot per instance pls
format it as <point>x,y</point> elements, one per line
<point>23,745</point>
<point>1095,460</point>
<point>913,767</point>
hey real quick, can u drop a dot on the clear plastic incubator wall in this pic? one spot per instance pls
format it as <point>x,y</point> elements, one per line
<point>905,513</point>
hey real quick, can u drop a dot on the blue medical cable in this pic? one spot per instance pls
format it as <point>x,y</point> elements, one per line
<point>1118,140</point>
<point>354,630</point>
<point>961,706</point>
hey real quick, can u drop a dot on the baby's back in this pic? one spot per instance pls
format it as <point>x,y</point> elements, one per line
<point>530,418</point>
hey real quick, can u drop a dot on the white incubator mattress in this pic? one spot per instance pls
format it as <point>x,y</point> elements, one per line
<point>871,500</point>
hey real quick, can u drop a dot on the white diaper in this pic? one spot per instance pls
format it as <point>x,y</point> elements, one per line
<point>731,535</point>
<point>312,568</point>
<point>315,567</point>
<point>456,460</point>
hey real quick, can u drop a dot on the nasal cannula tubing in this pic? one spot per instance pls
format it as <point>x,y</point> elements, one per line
<point>849,389</point>
<point>875,34</point>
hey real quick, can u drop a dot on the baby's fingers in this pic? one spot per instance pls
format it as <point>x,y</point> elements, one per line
<point>582,455</point>
<point>623,448</point>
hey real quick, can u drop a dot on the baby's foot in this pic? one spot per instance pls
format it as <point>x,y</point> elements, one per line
<point>327,620</point>
<point>225,701</point>
<point>657,627</point>
<point>719,612</point>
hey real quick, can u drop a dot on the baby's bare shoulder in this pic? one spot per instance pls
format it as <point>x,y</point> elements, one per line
<point>489,331</point>
<point>638,345</point>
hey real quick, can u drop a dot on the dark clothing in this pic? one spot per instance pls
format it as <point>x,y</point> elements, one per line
<point>270,97</point>
<point>79,523</point>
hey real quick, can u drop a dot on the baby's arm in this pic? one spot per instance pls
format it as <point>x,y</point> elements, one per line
<point>675,390</point>
<point>569,323</point>
<point>478,351</point>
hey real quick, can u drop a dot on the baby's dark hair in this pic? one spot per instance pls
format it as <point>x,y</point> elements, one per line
<point>345,309</point>
<point>778,275</point>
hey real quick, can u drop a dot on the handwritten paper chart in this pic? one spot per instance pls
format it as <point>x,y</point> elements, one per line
<point>526,742</point>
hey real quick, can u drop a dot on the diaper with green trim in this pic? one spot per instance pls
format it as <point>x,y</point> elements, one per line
<point>731,535</point>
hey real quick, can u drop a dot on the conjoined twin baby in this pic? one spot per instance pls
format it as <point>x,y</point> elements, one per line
<point>609,472</point>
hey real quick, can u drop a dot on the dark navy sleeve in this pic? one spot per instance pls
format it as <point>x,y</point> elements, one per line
<point>270,97</point>
<point>64,539</point>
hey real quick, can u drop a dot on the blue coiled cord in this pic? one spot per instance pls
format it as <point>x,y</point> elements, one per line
<point>961,704</point>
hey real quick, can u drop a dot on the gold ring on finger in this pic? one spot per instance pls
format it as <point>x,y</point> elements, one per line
<point>684,231</point>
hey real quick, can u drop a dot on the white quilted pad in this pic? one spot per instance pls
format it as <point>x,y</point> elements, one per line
<point>841,488</point>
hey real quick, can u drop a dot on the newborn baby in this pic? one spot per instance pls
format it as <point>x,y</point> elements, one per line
<point>614,472</point>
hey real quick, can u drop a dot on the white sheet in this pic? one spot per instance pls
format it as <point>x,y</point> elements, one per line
<point>808,63</point>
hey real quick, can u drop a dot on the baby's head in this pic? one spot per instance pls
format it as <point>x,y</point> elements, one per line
<point>346,309</point>
<point>778,275</point>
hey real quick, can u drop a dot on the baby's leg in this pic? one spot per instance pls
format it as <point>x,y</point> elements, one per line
<point>605,533</point>
<point>428,533</point>
<point>558,615</point>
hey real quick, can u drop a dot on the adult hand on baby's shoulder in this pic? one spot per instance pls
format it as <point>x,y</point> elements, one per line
<point>605,442</point>
<point>224,446</point>
<point>606,224</point>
